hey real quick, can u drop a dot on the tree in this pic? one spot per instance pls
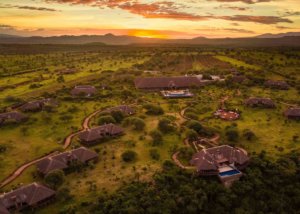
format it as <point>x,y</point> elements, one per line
<point>232,135</point>
<point>136,122</point>
<point>165,125</point>
<point>55,178</point>
<point>248,134</point>
<point>157,138</point>
<point>154,154</point>
<point>195,125</point>
<point>153,109</point>
<point>106,119</point>
<point>117,115</point>
<point>129,156</point>
<point>191,135</point>
<point>60,79</point>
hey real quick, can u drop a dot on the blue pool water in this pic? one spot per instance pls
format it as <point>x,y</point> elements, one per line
<point>228,173</point>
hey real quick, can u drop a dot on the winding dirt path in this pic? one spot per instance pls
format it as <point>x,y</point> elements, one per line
<point>212,141</point>
<point>67,143</point>
<point>21,169</point>
<point>84,126</point>
<point>178,163</point>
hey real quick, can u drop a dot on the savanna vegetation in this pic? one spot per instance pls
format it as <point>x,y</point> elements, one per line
<point>135,172</point>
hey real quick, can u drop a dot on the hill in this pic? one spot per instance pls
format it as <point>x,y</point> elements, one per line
<point>110,39</point>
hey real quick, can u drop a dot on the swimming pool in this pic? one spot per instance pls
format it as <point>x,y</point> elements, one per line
<point>230,172</point>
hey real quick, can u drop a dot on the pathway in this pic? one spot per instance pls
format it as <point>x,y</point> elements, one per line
<point>178,163</point>
<point>212,141</point>
<point>84,126</point>
<point>67,143</point>
<point>20,170</point>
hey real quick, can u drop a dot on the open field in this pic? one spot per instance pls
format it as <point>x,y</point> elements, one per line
<point>112,72</point>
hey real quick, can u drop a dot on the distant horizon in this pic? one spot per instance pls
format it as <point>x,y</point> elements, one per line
<point>161,19</point>
<point>72,35</point>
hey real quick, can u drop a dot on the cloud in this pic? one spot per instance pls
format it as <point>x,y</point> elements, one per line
<point>257,19</point>
<point>234,30</point>
<point>245,1</point>
<point>226,6</point>
<point>2,26</point>
<point>167,10</point>
<point>13,30</point>
<point>239,30</point>
<point>28,8</point>
<point>172,10</point>
<point>292,13</point>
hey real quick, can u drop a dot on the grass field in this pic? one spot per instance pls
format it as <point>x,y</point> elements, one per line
<point>116,69</point>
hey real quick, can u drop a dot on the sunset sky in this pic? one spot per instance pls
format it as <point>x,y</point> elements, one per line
<point>149,18</point>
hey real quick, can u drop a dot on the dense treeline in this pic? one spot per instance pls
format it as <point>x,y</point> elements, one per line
<point>266,187</point>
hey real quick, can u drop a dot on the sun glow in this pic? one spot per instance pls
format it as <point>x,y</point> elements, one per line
<point>148,34</point>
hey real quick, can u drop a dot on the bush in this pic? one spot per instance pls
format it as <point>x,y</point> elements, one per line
<point>55,178</point>
<point>195,125</point>
<point>117,115</point>
<point>157,138</point>
<point>136,122</point>
<point>153,109</point>
<point>232,135</point>
<point>154,154</point>
<point>206,77</point>
<point>12,99</point>
<point>191,135</point>
<point>3,148</point>
<point>192,116</point>
<point>106,119</point>
<point>248,134</point>
<point>129,156</point>
<point>165,125</point>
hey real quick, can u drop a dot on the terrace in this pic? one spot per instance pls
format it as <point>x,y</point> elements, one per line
<point>227,115</point>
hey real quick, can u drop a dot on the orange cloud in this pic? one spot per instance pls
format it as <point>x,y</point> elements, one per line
<point>171,10</point>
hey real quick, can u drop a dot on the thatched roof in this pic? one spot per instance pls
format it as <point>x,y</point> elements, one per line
<point>277,84</point>
<point>38,104</point>
<point>263,102</point>
<point>86,90</point>
<point>123,108</point>
<point>15,116</point>
<point>62,161</point>
<point>292,112</point>
<point>28,195</point>
<point>209,159</point>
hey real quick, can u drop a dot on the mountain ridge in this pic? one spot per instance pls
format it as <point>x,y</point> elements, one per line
<point>287,39</point>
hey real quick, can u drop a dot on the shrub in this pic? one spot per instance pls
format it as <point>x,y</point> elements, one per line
<point>157,138</point>
<point>106,119</point>
<point>165,125</point>
<point>248,134</point>
<point>232,135</point>
<point>153,109</point>
<point>195,125</point>
<point>192,116</point>
<point>206,77</point>
<point>136,122</point>
<point>154,154</point>
<point>3,148</point>
<point>191,135</point>
<point>117,115</point>
<point>55,178</point>
<point>129,156</point>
